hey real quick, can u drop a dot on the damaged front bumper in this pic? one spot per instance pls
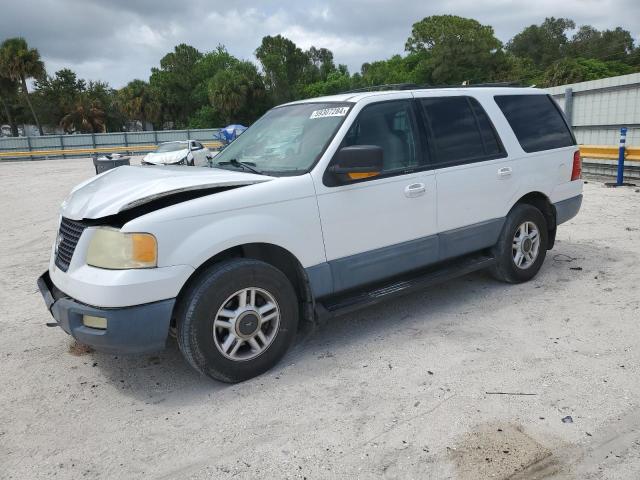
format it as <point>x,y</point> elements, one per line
<point>134,329</point>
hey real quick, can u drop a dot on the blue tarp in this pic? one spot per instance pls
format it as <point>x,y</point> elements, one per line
<point>231,132</point>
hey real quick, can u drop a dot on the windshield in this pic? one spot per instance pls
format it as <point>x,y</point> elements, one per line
<point>171,147</point>
<point>286,140</point>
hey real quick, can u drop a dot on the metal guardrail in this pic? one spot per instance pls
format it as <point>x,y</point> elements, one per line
<point>88,143</point>
<point>632,154</point>
<point>89,151</point>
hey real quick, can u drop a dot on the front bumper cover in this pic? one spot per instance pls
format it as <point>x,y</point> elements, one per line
<point>135,329</point>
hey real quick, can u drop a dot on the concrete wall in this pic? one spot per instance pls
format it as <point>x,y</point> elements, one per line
<point>598,108</point>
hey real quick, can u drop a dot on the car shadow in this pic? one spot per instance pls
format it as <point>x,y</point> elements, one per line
<point>167,377</point>
<point>155,378</point>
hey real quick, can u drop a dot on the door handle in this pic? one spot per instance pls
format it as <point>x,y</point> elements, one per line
<point>415,190</point>
<point>504,172</point>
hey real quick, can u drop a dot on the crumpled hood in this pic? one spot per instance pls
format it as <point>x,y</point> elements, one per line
<point>166,157</point>
<point>127,187</point>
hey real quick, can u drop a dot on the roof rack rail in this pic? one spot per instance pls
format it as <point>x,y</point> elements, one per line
<point>383,87</point>
<point>413,86</point>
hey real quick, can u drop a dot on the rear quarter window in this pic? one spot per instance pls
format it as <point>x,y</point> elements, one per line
<point>536,121</point>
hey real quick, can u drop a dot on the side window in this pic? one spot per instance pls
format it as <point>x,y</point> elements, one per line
<point>460,130</point>
<point>536,121</point>
<point>195,146</point>
<point>391,126</point>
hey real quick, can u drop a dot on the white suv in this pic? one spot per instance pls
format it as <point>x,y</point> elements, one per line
<point>322,206</point>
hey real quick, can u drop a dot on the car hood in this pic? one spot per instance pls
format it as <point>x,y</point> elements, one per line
<point>163,158</point>
<point>126,187</point>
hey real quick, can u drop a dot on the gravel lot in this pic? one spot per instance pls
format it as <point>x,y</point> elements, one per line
<point>395,391</point>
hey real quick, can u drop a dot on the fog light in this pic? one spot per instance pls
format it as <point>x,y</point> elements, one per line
<point>94,322</point>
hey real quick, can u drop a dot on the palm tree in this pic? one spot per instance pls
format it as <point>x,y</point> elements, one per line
<point>227,94</point>
<point>233,91</point>
<point>86,116</point>
<point>137,102</point>
<point>19,62</point>
<point>8,91</point>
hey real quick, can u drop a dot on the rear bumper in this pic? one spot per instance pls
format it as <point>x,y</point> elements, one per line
<point>135,329</point>
<point>567,209</point>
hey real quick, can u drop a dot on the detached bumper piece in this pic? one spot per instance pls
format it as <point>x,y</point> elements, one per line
<point>136,329</point>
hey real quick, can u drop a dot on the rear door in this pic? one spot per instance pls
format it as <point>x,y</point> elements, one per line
<point>474,175</point>
<point>547,145</point>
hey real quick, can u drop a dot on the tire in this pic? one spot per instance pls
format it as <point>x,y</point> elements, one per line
<point>247,343</point>
<point>521,223</point>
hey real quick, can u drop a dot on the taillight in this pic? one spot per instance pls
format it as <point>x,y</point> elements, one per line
<point>576,172</point>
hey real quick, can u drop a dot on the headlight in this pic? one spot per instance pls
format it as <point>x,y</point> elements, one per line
<point>112,249</point>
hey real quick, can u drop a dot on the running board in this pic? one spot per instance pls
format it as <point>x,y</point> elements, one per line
<point>350,301</point>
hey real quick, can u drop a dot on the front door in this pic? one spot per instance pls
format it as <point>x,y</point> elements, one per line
<point>381,226</point>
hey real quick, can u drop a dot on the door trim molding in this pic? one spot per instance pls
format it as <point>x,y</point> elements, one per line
<point>367,267</point>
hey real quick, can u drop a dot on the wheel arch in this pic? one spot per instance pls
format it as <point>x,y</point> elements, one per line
<point>542,202</point>
<point>275,255</point>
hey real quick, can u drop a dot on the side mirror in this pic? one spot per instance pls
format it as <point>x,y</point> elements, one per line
<point>357,162</point>
<point>209,156</point>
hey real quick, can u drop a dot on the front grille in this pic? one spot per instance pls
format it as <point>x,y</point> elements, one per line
<point>68,236</point>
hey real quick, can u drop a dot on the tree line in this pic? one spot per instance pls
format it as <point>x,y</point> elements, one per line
<point>194,89</point>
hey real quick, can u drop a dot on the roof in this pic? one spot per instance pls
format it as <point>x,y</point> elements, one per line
<point>357,96</point>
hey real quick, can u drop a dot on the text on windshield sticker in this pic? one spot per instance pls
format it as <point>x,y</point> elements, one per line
<point>330,112</point>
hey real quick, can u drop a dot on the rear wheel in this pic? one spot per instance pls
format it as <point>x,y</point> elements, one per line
<point>522,246</point>
<point>238,320</point>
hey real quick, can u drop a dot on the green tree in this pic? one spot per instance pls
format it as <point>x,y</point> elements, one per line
<point>634,57</point>
<point>543,44</point>
<point>382,72</point>
<point>20,63</point>
<point>55,96</point>
<point>174,83</point>
<point>106,99</point>
<point>589,42</point>
<point>573,70</point>
<point>336,82</point>
<point>137,102</point>
<point>206,68</point>
<point>322,62</point>
<point>452,49</point>
<point>238,93</point>
<point>86,115</point>
<point>284,66</point>
<point>206,117</point>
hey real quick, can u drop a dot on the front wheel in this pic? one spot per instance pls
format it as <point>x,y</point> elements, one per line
<point>237,320</point>
<point>522,246</point>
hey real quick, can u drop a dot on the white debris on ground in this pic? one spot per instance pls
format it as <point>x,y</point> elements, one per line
<point>399,390</point>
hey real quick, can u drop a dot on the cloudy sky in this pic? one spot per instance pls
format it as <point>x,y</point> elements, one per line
<point>118,40</point>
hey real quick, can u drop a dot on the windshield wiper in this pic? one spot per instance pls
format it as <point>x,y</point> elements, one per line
<point>246,165</point>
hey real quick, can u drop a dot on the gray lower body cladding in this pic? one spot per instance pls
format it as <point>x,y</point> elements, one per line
<point>567,209</point>
<point>368,267</point>
<point>135,329</point>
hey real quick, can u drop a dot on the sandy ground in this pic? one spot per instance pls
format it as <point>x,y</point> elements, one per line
<point>396,391</point>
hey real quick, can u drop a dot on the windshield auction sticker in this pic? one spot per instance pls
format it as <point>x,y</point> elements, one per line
<point>330,112</point>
